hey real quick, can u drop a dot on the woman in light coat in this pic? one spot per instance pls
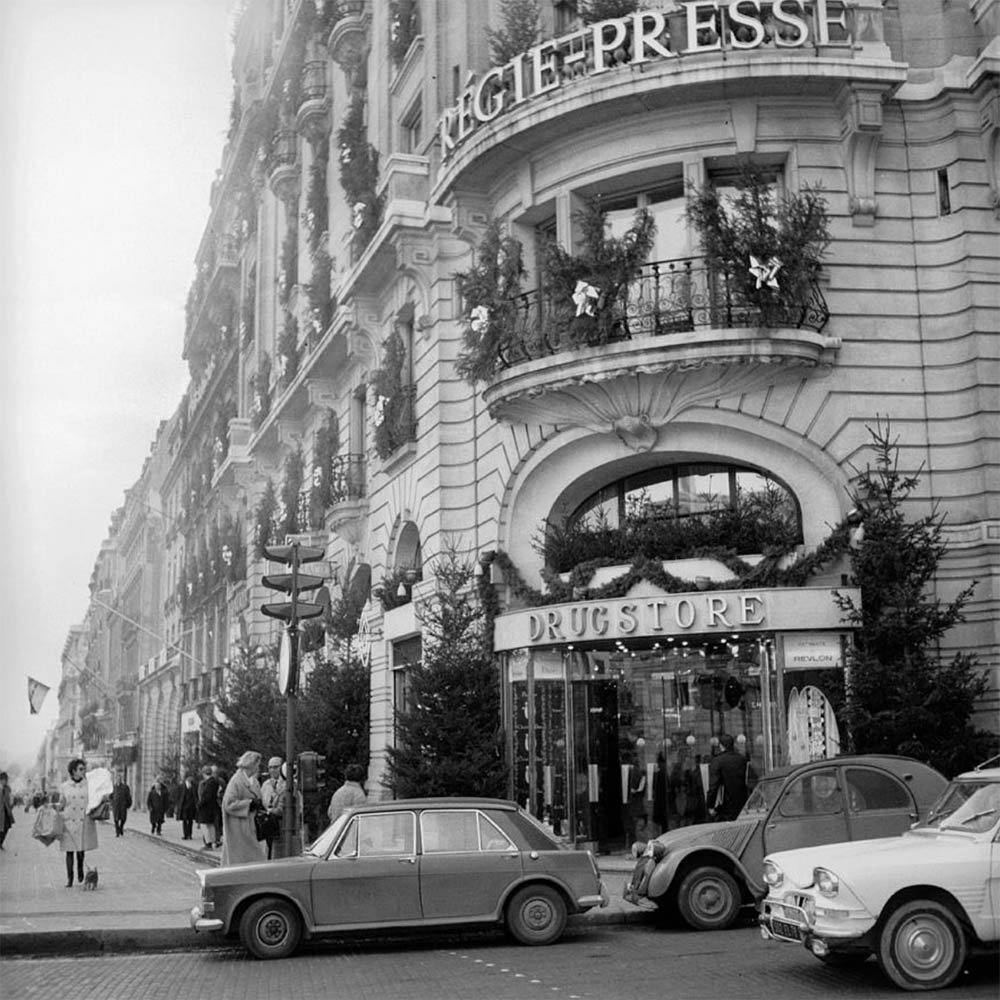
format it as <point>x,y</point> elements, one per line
<point>239,803</point>
<point>79,830</point>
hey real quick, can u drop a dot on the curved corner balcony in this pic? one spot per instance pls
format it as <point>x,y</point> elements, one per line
<point>679,335</point>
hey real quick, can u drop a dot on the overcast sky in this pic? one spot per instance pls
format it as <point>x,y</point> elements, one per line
<point>113,115</point>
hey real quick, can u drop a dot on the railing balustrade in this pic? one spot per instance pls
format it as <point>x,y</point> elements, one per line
<point>666,297</point>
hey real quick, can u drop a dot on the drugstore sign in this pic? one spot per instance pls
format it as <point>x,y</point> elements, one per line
<point>663,615</point>
<point>694,28</point>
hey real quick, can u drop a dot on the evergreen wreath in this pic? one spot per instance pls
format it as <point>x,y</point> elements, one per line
<point>768,248</point>
<point>489,291</point>
<point>588,290</point>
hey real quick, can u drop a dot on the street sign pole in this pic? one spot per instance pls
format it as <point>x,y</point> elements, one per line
<point>288,668</point>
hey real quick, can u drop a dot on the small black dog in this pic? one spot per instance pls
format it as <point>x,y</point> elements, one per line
<point>90,879</point>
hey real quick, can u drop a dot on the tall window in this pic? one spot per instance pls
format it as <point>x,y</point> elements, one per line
<point>411,128</point>
<point>406,654</point>
<point>666,205</point>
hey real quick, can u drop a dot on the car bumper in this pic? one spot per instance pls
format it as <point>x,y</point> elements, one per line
<point>589,902</point>
<point>203,923</point>
<point>787,922</point>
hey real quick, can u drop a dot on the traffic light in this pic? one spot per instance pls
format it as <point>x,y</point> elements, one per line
<point>294,584</point>
<point>308,771</point>
<point>293,611</point>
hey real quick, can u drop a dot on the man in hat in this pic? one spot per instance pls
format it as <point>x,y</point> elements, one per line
<point>272,797</point>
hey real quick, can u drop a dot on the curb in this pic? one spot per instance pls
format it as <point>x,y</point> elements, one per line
<point>80,941</point>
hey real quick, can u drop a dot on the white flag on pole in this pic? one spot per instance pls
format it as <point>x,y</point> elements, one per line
<point>36,694</point>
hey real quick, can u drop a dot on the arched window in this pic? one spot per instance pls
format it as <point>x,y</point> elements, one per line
<point>674,511</point>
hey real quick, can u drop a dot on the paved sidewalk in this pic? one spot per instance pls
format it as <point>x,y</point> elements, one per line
<point>146,888</point>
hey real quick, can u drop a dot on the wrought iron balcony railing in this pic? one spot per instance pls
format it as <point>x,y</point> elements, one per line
<point>667,297</point>
<point>347,478</point>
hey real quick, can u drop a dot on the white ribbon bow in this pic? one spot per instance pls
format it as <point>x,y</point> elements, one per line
<point>765,272</point>
<point>585,296</point>
<point>480,318</point>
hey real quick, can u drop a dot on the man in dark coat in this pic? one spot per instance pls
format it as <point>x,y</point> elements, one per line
<point>121,802</point>
<point>187,807</point>
<point>731,772</point>
<point>156,803</point>
<point>208,802</point>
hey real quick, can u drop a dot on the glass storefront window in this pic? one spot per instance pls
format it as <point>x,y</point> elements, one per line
<point>611,746</point>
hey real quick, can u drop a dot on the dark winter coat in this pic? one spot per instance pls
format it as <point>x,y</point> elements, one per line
<point>156,803</point>
<point>121,800</point>
<point>208,800</point>
<point>728,771</point>
<point>187,802</point>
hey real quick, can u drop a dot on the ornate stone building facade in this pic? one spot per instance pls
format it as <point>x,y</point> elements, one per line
<point>373,149</point>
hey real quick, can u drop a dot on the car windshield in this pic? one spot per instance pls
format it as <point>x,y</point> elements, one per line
<point>762,797</point>
<point>320,847</point>
<point>972,806</point>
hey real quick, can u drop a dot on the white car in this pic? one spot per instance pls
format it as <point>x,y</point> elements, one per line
<point>920,902</point>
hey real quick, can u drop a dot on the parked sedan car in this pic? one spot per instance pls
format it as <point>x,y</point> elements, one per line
<point>919,902</point>
<point>410,863</point>
<point>709,871</point>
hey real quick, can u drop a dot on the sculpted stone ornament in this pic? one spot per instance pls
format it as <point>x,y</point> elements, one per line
<point>636,432</point>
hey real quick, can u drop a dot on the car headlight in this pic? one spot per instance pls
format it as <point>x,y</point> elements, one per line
<point>826,882</point>
<point>773,875</point>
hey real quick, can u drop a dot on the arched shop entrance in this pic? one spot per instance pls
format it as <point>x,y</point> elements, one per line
<point>613,708</point>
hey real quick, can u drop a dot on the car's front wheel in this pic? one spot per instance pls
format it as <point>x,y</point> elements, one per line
<point>536,914</point>
<point>270,928</point>
<point>708,898</point>
<point>922,945</point>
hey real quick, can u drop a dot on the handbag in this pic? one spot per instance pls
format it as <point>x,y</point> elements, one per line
<point>102,811</point>
<point>267,825</point>
<point>48,825</point>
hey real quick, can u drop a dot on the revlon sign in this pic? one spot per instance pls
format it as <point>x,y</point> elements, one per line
<point>661,615</point>
<point>696,27</point>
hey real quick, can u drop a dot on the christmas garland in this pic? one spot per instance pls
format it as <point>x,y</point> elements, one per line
<point>586,289</point>
<point>288,349</point>
<point>404,26</point>
<point>392,403</point>
<point>359,175</point>
<point>326,447</point>
<point>767,573</point>
<point>315,213</point>
<point>489,291</point>
<point>767,248</point>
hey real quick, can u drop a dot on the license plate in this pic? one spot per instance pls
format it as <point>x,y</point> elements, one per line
<point>782,928</point>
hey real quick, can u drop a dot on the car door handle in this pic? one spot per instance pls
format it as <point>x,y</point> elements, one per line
<point>407,861</point>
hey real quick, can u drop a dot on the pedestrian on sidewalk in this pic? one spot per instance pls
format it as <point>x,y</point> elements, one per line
<point>79,829</point>
<point>156,803</point>
<point>6,808</point>
<point>121,802</point>
<point>208,795</point>
<point>187,807</point>
<point>220,787</point>
<point>350,793</point>
<point>272,797</point>
<point>239,804</point>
